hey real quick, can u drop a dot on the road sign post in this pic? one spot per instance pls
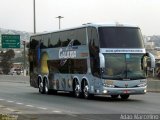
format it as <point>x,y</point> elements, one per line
<point>10,41</point>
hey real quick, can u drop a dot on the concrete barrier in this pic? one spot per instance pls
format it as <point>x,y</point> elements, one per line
<point>153,85</point>
<point>14,78</point>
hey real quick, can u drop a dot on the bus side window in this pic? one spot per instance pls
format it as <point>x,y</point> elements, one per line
<point>94,51</point>
<point>81,36</point>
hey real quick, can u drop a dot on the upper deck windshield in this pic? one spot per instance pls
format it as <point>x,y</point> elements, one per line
<point>120,37</point>
<point>124,66</point>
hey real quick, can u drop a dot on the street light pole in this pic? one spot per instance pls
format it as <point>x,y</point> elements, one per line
<point>24,64</point>
<point>34,16</point>
<point>59,17</point>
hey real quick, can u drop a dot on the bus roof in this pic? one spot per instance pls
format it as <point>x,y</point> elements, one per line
<point>112,24</point>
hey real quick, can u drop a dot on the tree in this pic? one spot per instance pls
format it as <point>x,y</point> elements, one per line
<point>6,63</point>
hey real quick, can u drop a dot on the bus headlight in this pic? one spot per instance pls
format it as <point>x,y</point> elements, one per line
<point>104,91</point>
<point>145,90</point>
<point>108,83</point>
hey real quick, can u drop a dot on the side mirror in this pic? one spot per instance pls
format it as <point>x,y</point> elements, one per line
<point>102,60</point>
<point>151,60</point>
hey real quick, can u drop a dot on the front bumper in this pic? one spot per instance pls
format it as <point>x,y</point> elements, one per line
<point>118,91</point>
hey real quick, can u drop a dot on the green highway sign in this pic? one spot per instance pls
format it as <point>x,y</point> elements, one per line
<point>10,41</point>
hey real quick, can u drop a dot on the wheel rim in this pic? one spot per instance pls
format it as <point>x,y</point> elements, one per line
<point>86,88</point>
<point>77,90</point>
<point>46,86</point>
<point>40,86</point>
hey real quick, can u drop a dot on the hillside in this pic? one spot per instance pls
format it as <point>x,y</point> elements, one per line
<point>23,35</point>
<point>156,40</point>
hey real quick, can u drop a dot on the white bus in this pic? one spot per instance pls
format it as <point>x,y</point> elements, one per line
<point>94,59</point>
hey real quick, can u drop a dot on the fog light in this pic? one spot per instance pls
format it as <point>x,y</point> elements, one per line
<point>142,85</point>
<point>105,91</point>
<point>145,91</point>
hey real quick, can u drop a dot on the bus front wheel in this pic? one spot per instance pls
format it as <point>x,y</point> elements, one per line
<point>124,97</point>
<point>114,96</point>
<point>45,84</point>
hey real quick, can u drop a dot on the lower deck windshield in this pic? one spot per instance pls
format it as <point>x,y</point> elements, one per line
<point>123,66</point>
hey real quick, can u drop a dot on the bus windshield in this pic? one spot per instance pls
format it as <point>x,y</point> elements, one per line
<point>120,37</point>
<point>123,66</point>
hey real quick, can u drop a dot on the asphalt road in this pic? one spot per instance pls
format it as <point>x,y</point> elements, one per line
<point>19,98</point>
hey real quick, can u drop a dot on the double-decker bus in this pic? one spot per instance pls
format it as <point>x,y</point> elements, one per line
<point>94,59</point>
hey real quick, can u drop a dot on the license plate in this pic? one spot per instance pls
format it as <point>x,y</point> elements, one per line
<point>126,91</point>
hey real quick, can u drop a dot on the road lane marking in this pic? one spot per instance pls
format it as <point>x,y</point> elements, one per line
<point>10,101</point>
<point>56,111</point>
<point>10,109</point>
<point>42,108</point>
<point>18,103</point>
<point>29,105</point>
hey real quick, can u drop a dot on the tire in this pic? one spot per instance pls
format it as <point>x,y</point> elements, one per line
<point>40,86</point>
<point>45,88</point>
<point>52,92</point>
<point>86,93</point>
<point>77,91</point>
<point>124,97</point>
<point>114,96</point>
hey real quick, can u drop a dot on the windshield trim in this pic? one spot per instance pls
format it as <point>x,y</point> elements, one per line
<point>124,71</point>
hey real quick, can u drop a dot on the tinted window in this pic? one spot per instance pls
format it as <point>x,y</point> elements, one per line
<point>34,42</point>
<point>94,50</point>
<point>46,40</point>
<point>120,37</point>
<point>80,36</point>
<point>55,40</point>
<point>77,66</point>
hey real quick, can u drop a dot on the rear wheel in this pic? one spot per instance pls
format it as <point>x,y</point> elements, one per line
<point>45,83</point>
<point>77,92</point>
<point>40,86</point>
<point>86,93</point>
<point>124,97</point>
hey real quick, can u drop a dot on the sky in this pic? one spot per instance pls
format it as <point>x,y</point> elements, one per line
<point>18,14</point>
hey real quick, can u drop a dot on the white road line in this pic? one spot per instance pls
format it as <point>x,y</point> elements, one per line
<point>42,108</point>
<point>29,105</point>
<point>10,109</point>
<point>1,99</point>
<point>18,103</point>
<point>10,101</point>
<point>57,111</point>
